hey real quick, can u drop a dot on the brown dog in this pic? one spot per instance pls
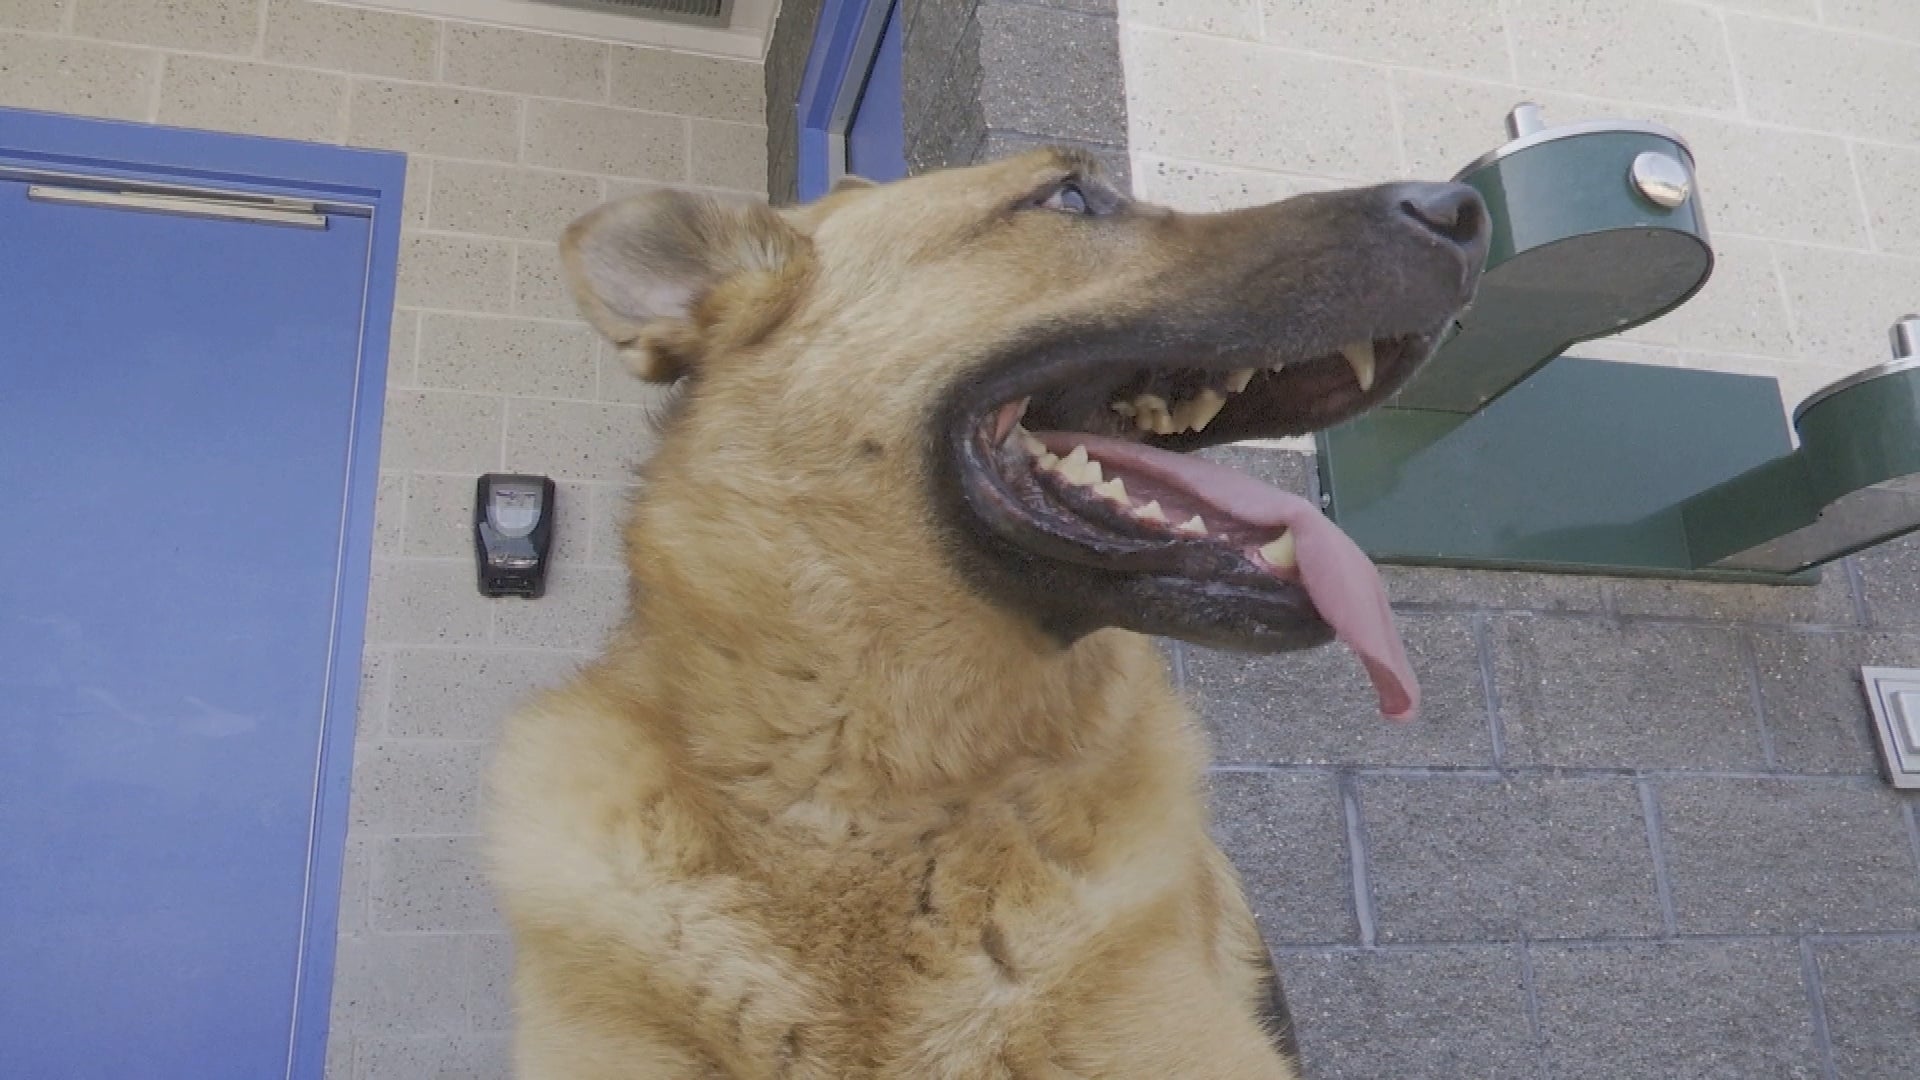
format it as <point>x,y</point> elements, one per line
<point>881,778</point>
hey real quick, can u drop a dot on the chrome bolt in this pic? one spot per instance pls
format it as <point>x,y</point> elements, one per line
<point>1906,337</point>
<point>1662,179</point>
<point>1526,119</point>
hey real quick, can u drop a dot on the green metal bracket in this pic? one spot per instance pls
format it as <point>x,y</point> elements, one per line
<point>1504,454</point>
<point>1583,468</point>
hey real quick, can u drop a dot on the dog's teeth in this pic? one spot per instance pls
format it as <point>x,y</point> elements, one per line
<point>1151,512</point>
<point>1030,444</point>
<point>1147,410</point>
<point>1280,552</point>
<point>1078,468</point>
<point>1238,381</point>
<point>1193,526</point>
<point>1125,408</point>
<point>1112,489</point>
<point>1163,423</point>
<point>1202,410</point>
<point>1047,461</point>
<point>1360,356</point>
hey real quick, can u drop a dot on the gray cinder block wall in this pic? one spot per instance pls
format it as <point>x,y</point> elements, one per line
<point>1640,831</point>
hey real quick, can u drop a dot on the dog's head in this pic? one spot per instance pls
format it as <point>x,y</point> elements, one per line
<point>1001,370</point>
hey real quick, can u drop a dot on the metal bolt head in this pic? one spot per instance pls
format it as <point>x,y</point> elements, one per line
<point>1662,179</point>
<point>1906,338</point>
<point>1525,119</point>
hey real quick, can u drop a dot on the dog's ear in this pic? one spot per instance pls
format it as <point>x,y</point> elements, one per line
<point>641,267</point>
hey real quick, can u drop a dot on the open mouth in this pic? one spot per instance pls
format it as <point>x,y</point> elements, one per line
<point>1088,464</point>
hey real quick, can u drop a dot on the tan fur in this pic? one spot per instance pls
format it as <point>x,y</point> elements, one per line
<point>822,809</point>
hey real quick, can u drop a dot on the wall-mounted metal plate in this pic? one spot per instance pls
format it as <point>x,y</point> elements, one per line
<point>1895,696</point>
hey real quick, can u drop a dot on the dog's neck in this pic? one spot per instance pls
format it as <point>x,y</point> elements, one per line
<point>809,662</point>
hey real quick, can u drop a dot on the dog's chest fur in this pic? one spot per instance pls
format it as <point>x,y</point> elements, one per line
<point>952,937</point>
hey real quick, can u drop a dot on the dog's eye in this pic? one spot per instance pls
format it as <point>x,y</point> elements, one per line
<point>1067,199</point>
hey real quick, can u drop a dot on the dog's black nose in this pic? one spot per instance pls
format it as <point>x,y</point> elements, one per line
<point>1454,211</point>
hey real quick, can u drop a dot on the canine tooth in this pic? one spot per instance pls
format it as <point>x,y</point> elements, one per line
<point>1151,512</point>
<point>1193,526</point>
<point>1280,552</point>
<point>1112,489</point>
<point>1009,418</point>
<point>1360,356</point>
<point>1201,410</point>
<point>1238,381</point>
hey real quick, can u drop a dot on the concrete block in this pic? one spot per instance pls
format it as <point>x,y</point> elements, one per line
<point>1227,102</point>
<point>417,786</point>
<point>421,119</point>
<point>1600,693</point>
<point>1287,837</point>
<point>1788,857</point>
<point>1817,711</point>
<point>351,39</point>
<point>685,84</point>
<point>517,357</point>
<point>431,884</point>
<point>1873,1007</point>
<point>253,99</point>
<point>1890,583</point>
<point>1465,859</point>
<point>1411,1014</point>
<point>1827,80</point>
<point>1732,1009</point>
<point>1052,73</point>
<point>517,62</point>
<point>465,693</point>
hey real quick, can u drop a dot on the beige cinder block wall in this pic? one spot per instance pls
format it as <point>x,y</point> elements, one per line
<point>1804,116</point>
<point>510,134</point>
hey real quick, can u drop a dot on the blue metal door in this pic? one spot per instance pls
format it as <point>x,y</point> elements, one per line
<point>876,139</point>
<point>850,108</point>
<point>183,455</point>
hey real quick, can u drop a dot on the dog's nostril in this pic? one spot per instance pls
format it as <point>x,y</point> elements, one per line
<point>1455,211</point>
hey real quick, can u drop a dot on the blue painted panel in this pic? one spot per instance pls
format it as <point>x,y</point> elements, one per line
<point>877,139</point>
<point>189,418</point>
<point>837,50</point>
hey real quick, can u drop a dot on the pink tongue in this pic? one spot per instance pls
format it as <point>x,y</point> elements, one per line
<point>1342,582</point>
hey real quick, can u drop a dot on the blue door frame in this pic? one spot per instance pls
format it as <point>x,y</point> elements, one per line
<point>362,184</point>
<point>852,80</point>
